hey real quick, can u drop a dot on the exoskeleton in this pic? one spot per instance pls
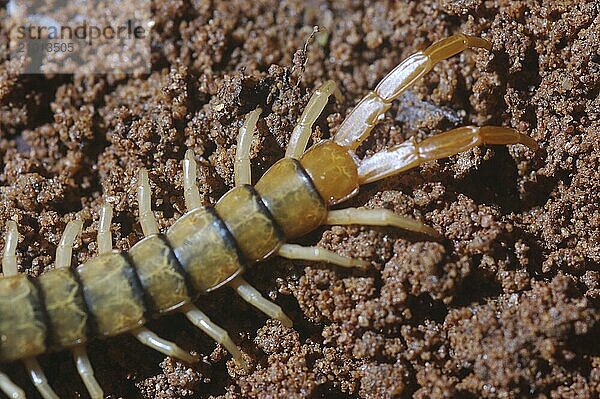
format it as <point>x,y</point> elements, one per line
<point>207,248</point>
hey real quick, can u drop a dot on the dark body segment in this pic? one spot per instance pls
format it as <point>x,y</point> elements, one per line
<point>205,249</point>
<point>249,221</point>
<point>112,293</point>
<point>289,194</point>
<point>22,320</point>
<point>161,276</point>
<point>66,309</point>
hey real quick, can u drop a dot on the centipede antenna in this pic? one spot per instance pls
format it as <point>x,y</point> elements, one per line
<point>303,129</point>
<point>294,251</point>
<point>242,171</point>
<point>64,251</point>
<point>191,193</point>
<point>86,372</point>
<point>147,219</point>
<point>203,322</point>
<point>163,346</point>
<point>39,378</point>
<point>9,258</point>
<point>9,388</point>
<point>254,297</point>
<point>377,217</point>
<point>104,234</point>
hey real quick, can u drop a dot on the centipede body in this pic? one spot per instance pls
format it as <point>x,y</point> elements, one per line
<point>208,247</point>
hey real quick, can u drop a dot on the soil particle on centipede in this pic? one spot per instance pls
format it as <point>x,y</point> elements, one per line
<point>505,306</point>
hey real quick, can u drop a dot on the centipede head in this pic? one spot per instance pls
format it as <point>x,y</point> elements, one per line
<point>333,171</point>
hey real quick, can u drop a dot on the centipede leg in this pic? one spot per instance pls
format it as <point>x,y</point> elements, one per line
<point>104,234</point>
<point>63,259</point>
<point>377,217</point>
<point>9,257</point>
<point>410,154</point>
<point>254,297</point>
<point>241,167</point>
<point>9,388</point>
<point>203,322</point>
<point>64,251</point>
<point>191,193</point>
<point>86,372</point>
<point>303,129</point>
<point>293,251</point>
<point>147,219</point>
<point>39,378</point>
<point>161,345</point>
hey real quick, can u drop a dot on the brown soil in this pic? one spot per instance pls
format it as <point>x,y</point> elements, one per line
<point>506,306</point>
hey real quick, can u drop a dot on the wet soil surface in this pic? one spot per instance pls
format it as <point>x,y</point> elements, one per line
<point>506,305</point>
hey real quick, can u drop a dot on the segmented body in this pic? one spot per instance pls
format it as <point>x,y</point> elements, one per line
<point>117,292</point>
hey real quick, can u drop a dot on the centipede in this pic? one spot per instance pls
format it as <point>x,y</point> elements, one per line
<point>207,248</point>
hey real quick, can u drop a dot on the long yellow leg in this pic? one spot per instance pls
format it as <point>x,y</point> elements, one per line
<point>255,298</point>
<point>410,154</point>
<point>377,217</point>
<point>360,121</point>
<point>302,131</point>
<point>203,322</point>
<point>241,167</point>
<point>293,251</point>
<point>161,345</point>
<point>191,193</point>
<point>64,250</point>
<point>147,219</point>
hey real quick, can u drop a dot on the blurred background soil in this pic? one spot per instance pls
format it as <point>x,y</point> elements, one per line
<point>507,305</point>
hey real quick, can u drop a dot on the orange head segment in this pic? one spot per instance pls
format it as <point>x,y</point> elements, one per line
<point>333,171</point>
